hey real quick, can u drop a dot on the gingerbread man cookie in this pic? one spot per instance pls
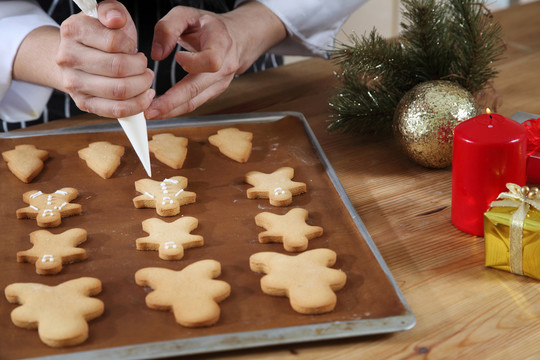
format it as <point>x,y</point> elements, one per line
<point>191,293</point>
<point>49,209</point>
<point>290,229</point>
<point>60,313</point>
<point>170,239</point>
<point>50,251</point>
<point>165,196</point>
<point>277,186</point>
<point>25,161</point>
<point>305,279</point>
<point>169,149</point>
<point>102,157</point>
<point>233,143</point>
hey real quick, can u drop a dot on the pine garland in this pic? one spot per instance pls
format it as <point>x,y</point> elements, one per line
<point>454,40</point>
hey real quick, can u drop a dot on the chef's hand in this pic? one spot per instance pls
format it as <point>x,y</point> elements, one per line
<point>218,47</point>
<point>100,66</point>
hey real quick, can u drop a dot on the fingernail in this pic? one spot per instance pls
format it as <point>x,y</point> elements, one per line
<point>111,14</point>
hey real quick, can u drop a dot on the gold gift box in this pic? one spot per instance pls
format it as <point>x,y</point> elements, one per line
<point>497,222</point>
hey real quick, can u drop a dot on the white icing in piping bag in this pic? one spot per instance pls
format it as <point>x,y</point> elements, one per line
<point>134,126</point>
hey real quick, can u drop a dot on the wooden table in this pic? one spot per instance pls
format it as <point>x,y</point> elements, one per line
<point>463,309</point>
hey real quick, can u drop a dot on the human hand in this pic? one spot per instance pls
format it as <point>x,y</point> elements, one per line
<point>218,47</point>
<point>100,66</point>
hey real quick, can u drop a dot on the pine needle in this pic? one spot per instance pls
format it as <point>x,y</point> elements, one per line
<point>454,40</point>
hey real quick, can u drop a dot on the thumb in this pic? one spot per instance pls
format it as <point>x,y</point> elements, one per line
<point>112,14</point>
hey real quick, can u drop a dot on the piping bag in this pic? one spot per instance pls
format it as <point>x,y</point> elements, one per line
<point>135,125</point>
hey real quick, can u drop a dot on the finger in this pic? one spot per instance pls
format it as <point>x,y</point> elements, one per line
<point>92,33</point>
<point>214,45</point>
<point>209,94</point>
<point>99,63</point>
<point>208,61</point>
<point>116,109</point>
<point>78,82</point>
<point>112,14</point>
<point>168,30</point>
<point>187,95</point>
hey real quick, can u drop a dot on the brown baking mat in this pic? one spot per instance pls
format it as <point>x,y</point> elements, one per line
<point>369,303</point>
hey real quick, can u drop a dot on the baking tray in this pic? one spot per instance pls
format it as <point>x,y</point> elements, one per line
<point>370,303</point>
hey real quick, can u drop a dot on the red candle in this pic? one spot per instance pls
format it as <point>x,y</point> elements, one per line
<point>489,151</point>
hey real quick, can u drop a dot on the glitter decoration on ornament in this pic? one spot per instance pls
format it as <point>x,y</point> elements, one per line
<point>425,118</point>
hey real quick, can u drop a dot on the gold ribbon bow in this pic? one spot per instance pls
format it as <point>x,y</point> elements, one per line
<point>526,197</point>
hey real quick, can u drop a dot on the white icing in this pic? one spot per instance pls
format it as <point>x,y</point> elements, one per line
<point>61,192</point>
<point>149,195</point>
<point>170,245</point>
<point>48,212</point>
<point>165,199</point>
<point>36,194</point>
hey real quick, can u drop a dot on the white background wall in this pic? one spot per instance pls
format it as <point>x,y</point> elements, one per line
<point>385,16</point>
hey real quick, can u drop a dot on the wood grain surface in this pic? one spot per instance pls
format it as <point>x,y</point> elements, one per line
<point>463,310</point>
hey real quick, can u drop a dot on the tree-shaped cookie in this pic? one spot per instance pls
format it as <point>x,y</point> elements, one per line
<point>25,161</point>
<point>277,186</point>
<point>60,313</point>
<point>102,157</point>
<point>191,293</point>
<point>305,279</point>
<point>170,239</point>
<point>165,196</point>
<point>290,229</point>
<point>233,143</point>
<point>49,209</point>
<point>169,149</point>
<point>50,250</point>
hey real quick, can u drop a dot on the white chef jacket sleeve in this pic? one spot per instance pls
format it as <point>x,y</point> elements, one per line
<point>312,25</point>
<point>19,101</point>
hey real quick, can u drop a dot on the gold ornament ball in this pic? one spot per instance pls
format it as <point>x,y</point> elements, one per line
<point>425,119</point>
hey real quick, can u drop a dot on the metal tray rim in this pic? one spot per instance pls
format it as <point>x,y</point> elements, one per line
<point>259,338</point>
<point>222,342</point>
